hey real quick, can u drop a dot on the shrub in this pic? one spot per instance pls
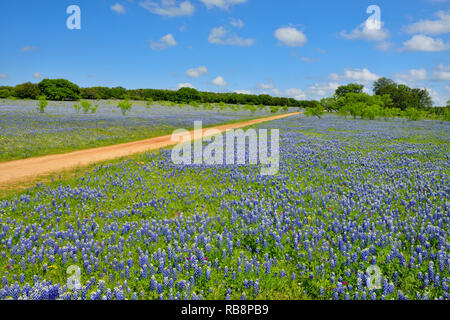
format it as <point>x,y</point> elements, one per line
<point>6,92</point>
<point>370,112</point>
<point>94,109</point>
<point>446,115</point>
<point>59,89</point>
<point>412,114</point>
<point>42,104</point>
<point>316,111</point>
<point>86,106</point>
<point>274,109</point>
<point>124,106</point>
<point>27,90</point>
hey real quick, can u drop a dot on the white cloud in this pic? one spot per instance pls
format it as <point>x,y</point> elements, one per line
<point>435,96</point>
<point>37,75</point>
<point>4,75</point>
<point>442,73</point>
<point>384,45</point>
<point>185,85</point>
<point>28,48</point>
<point>309,60</point>
<point>367,31</point>
<point>165,42</point>
<point>220,35</point>
<point>447,88</point>
<point>169,8</point>
<point>432,27</point>
<point>321,90</point>
<point>237,23</point>
<point>265,86</point>
<point>423,43</point>
<point>291,37</point>
<point>362,75</point>
<point>219,81</point>
<point>118,8</point>
<point>243,91</point>
<point>295,93</point>
<point>223,4</point>
<point>196,72</point>
<point>412,75</point>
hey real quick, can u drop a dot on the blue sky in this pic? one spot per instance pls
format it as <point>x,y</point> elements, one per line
<point>301,49</point>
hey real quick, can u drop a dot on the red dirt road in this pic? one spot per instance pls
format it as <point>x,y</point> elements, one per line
<point>30,169</point>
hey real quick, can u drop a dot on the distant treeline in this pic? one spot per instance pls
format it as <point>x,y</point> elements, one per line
<point>64,90</point>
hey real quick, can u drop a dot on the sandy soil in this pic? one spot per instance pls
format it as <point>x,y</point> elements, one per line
<point>30,169</point>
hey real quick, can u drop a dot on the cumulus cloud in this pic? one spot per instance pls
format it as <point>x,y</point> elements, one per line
<point>432,27</point>
<point>169,8</point>
<point>421,42</point>
<point>369,30</point>
<point>222,4</point>
<point>37,75</point>
<point>28,48</point>
<point>441,73</point>
<point>290,37</point>
<point>265,86</point>
<point>220,35</point>
<point>4,75</point>
<point>295,93</point>
<point>321,90</point>
<point>237,23</point>
<point>196,72</point>
<point>412,75</point>
<point>362,75</point>
<point>219,81</point>
<point>185,85</point>
<point>118,8</point>
<point>165,42</point>
<point>243,91</point>
<point>384,45</point>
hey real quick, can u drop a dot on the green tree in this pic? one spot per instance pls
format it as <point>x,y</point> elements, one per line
<point>6,92</point>
<point>329,104</point>
<point>27,90</point>
<point>59,89</point>
<point>124,106</point>
<point>186,95</point>
<point>349,88</point>
<point>402,96</point>
<point>86,106</point>
<point>42,104</point>
<point>316,111</point>
<point>413,114</point>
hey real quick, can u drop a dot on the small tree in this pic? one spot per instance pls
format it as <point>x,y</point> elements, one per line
<point>42,104</point>
<point>124,106</point>
<point>86,106</point>
<point>412,114</point>
<point>446,115</point>
<point>274,109</point>
<point>94,109</point>
<point>316,111</point>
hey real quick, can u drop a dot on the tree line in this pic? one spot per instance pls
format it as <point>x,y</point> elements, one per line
<point>389,100</point>
<point>64,90</point>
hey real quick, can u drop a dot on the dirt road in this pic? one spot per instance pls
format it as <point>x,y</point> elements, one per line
<point>30,169</point>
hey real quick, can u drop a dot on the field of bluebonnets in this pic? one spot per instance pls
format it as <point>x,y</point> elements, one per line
<point>25,132</point>
<point>350,194</point>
